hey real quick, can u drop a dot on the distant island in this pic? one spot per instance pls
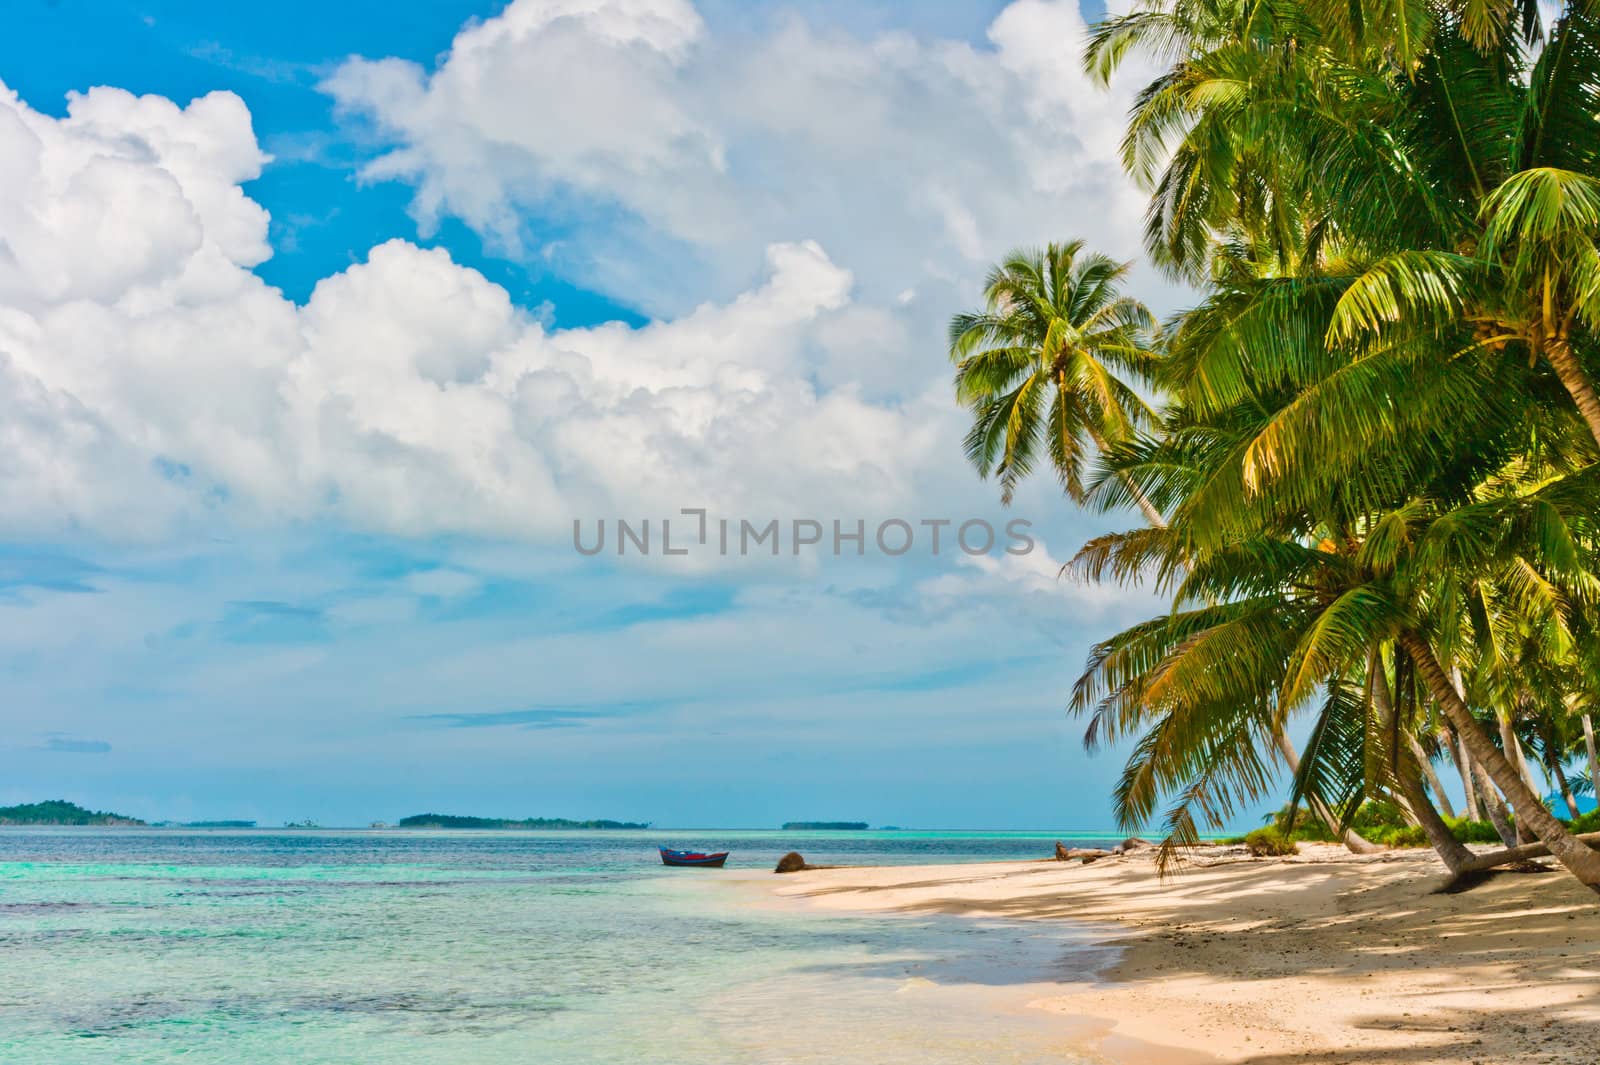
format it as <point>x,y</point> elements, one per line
<point>546,823</point>
<point>219,824</point>
<point>824,826</point>
<point>60,812</point>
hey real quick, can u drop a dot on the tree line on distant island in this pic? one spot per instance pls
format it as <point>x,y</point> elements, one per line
<point>824,826</point>
<point>1371,482</point>
<point>60,812</point>
<point>543,823</point>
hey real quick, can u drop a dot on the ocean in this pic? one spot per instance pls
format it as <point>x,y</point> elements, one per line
<point>457,948</point>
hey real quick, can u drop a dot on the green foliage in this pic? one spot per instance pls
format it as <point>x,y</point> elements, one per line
<point>1408,836</point>
<point>1589,822</point>
<point>1382,822</point>
<point>1468,831</point>
<point>1373,483</point>
<point>1379,818</point>
<point>1269,842</point>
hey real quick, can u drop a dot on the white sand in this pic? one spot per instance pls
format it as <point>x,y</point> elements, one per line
<point>1319,958</point>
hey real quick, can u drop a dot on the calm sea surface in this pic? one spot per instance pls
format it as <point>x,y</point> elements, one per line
<point>145,946</point>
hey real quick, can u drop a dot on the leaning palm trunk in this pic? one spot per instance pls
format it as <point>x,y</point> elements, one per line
<point>1566,789</point>
<point>1426,765</point>
<point>1513,753</point>
<point>1499,815</point>
<point>1582,861</point>
<point>1469,787</point>
<point>1458,751</point>
<point>1483,863</point>
<point>1570,370</point>
<point>1142,501</point>
<point>1408,765</point>
<point>1457,858</point>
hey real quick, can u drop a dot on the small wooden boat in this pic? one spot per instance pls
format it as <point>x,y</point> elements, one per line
<point>696,859</point>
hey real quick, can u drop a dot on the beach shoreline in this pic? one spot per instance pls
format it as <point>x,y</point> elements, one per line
<point>1324,957</point>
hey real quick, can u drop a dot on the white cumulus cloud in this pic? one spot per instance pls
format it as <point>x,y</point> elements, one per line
<point>907,159</point>
<point>853,187</point>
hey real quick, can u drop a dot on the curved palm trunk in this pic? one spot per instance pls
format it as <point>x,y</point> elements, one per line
<point>1463,760</point>
<point>1577,383</point>
<point>1499,815</point>
<point>1456,857</point>
<point>1152,516</point>
<point>1483,863</point>
<point>1458,757</point>
<point>1513,752</point>
<point>1566,789</point>
<point>1426,765</point>
<point>1582,861</point>
<point>1147,508</point>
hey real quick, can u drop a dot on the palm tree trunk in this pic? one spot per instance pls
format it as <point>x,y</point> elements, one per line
<point>1353,840</point>
<point>1513,753</point>
<point>1499,816</point>
<point>1469,787</point>
<point>1493,805</point>
<point>1151,514</point>
<point>1469,774</point>
<point>1577,383</point>
<point>1528,765</point>
<point>1147,508</point>
<point>1457,858</point>
<point>1426,765</point>
<point>1582,861</point>
<point>1566,790</point>
<point>1594,760</point>
<point>1407,770</point>
<point>1482,863</point>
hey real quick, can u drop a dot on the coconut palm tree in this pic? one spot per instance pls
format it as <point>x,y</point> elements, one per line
<point>1295,622</point>
<point>1370,488</point>
<point>1042,366</point>
<point>1039,367</point>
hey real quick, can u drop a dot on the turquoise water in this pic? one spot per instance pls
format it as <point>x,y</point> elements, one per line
<point>147,946</point>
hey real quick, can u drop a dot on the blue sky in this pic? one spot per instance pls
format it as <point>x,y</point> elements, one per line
<point>322,324</point>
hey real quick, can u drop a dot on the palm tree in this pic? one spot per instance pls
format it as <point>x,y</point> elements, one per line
<point>1038,366</point>
<point>1294,622</point>
<point>1376,468</point>
<point>1451,166</point>
<point>1042,366</point>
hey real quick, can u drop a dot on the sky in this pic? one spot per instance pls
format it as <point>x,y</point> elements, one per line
<point>322,325</point>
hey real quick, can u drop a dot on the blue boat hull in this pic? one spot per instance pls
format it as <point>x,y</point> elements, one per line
<point>692,859</point>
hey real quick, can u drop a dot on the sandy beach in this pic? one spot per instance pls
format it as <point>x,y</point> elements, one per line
<point>1322,957</point>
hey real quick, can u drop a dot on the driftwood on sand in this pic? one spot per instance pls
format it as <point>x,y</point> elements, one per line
<point>1086,855</point>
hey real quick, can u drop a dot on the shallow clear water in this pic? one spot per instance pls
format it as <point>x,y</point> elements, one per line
<point>145,946</point>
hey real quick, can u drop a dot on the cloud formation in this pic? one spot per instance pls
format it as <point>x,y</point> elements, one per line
<point>909,160</point>
<point>149,381</point>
